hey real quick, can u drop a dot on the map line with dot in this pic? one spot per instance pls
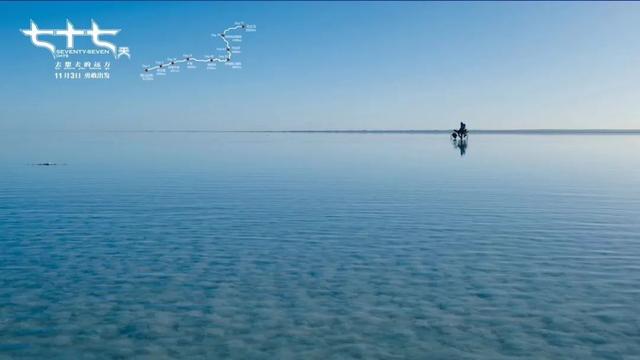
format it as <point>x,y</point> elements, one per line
<point>210,59</point>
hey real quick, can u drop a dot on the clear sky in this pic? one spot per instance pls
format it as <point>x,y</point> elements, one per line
<point>337,66</point>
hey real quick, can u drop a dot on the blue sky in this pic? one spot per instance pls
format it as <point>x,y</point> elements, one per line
<point>337,66</point>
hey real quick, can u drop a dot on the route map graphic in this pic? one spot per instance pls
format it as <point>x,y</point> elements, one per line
<point>231,38</point>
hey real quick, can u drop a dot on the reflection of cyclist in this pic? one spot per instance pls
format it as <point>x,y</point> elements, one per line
<point>462,146</point>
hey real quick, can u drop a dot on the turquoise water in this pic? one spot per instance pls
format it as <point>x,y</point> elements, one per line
<point>209,245</point>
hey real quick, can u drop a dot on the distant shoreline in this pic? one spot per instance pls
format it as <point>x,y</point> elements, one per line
<point>493,132</point>
<point>364,131</point>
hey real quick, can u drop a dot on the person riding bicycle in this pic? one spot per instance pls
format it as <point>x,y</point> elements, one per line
<point>463,128</point>
<point>460,133</point>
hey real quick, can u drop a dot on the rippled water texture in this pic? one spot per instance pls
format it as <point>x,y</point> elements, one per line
<point>304,246</point>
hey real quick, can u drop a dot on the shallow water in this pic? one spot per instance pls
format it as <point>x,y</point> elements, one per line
<point>195,245</point>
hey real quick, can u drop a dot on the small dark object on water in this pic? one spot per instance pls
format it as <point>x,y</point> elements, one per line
<point>47,164</point>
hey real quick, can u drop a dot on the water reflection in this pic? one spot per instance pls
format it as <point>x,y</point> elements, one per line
<point>147,244</point>
<point>460,144</point>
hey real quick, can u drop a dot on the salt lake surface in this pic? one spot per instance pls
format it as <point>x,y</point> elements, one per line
<point>316,246</point>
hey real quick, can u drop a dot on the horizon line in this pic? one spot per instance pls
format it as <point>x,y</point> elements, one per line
<point>357,131</point>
